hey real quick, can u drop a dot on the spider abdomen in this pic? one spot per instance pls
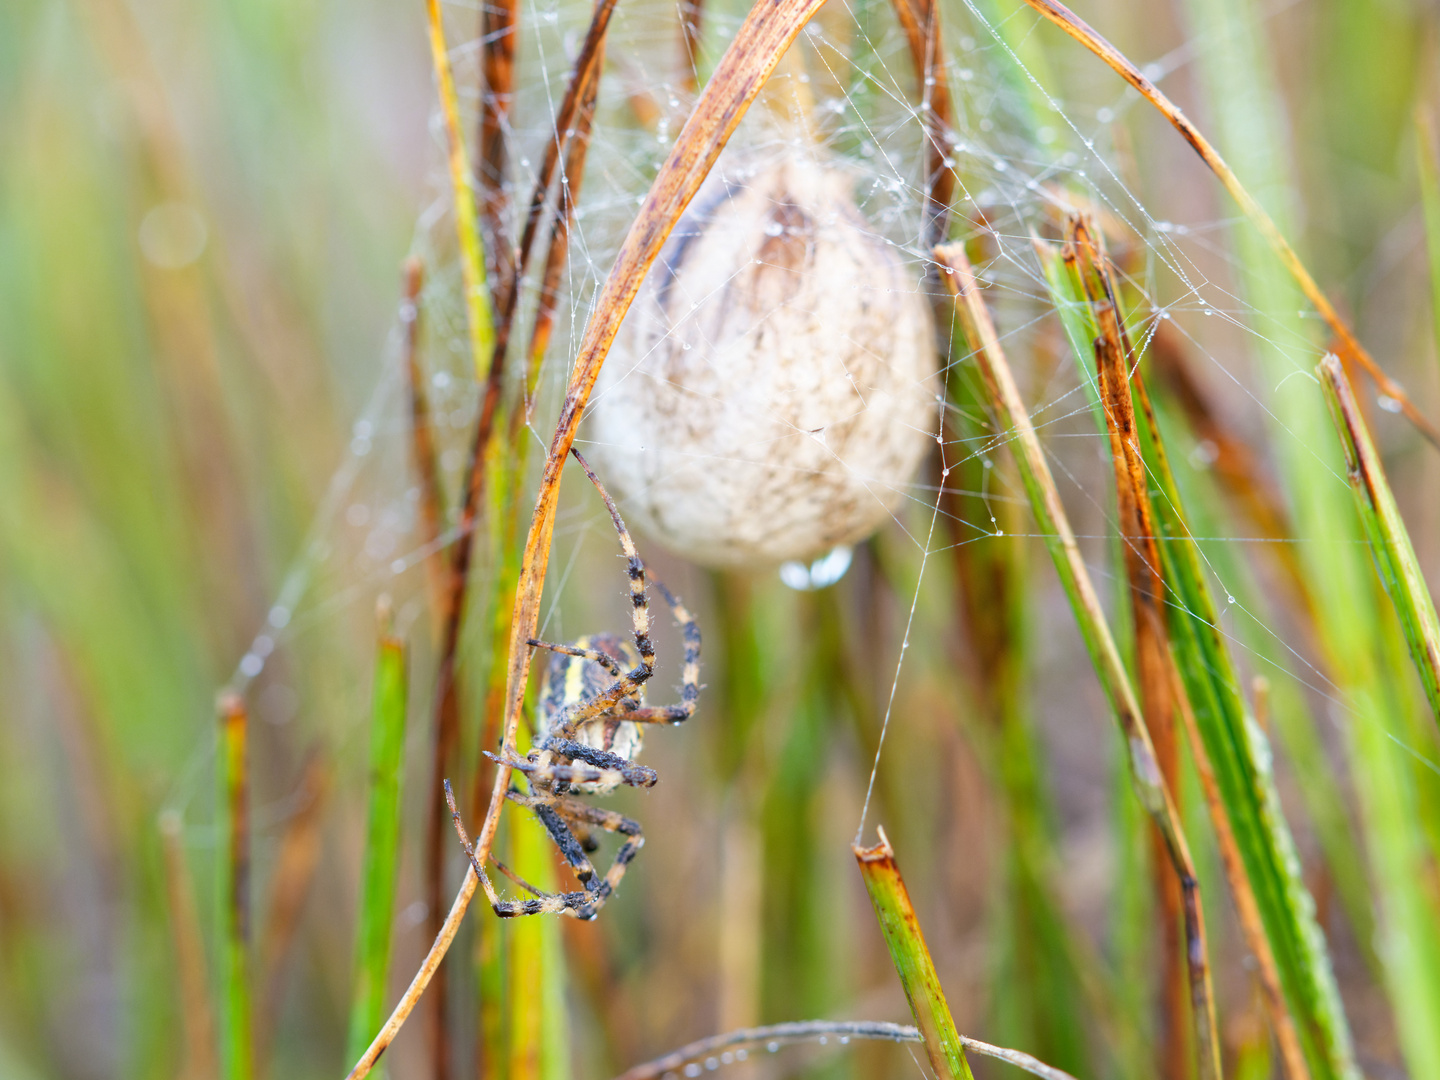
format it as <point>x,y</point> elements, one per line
<point>571,680</point>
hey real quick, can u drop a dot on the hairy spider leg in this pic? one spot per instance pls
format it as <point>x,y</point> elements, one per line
<point>604,766</point>
<point>552,811</point>
<point>601,658</point>
<point>690,675</point>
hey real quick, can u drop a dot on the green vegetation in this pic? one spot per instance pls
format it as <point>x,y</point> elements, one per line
<point>1143,680</point>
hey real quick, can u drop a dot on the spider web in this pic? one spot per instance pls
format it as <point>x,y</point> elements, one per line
<point>1023,154</point>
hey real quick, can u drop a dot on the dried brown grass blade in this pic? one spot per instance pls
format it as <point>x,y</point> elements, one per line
<point>499,34</point>
<point>1082,32</point>
<point>755,50</point>
<point>920,20</point>
<point>422,438</point>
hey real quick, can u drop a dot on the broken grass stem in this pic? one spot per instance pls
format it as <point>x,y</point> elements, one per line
<point>911,956</point>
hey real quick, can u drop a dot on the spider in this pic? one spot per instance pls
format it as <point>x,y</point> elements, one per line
<point>592,708</point>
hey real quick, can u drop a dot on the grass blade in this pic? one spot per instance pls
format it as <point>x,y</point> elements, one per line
<point>901,928</point>
<point>1054,526</point>
<point>1390,543</point>
<point>479,316</point>
<point>381,866</point>
<point>235,1046</point>
<point>1231,749</point>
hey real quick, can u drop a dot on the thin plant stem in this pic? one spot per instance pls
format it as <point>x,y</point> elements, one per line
<point>1252,927</point>
<point>499,38</point>
<point>381,865</point>
<point>236,1053</point>
<point>422,436</point>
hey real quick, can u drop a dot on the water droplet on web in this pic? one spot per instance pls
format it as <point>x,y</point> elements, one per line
<point>966,74</point>
<point>251,665</point>
<point>279,616</point>
<point>712,1063</point>
<point>773,1046</point>
<point>1388,403</point>
<point>774,228</point>
<point>1104,115</point>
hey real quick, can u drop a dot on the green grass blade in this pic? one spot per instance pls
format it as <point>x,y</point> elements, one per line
<point>479,316</point>
<point>1054,526</point>
<point>381,865</point>
<point>236,1062</point>
<point>1390,545</point>
<point>901,928</point>
<point>1240,756</point>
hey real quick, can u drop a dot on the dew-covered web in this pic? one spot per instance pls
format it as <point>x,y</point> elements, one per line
<point>1024,156</point>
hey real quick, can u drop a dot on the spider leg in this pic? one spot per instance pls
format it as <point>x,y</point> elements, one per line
<point>607,662</point>
<point>612,766</point>
<point>690,676</point>
<point>553,812</point>
<point>635,568</point>
<point>603,767</point>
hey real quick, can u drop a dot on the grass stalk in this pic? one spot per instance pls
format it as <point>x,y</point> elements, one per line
<point>479,315</point>
<point>424,459</point>
<point>1085,603</point>
<point>236,1062</point>
<point>499,39</point>
<point>380,867</point>
<point>1044,1008</point>
<point>1230,744</point>
<point>197,1020</point>
<point>920,22</point>
<point>1390,545</point>
<point>901,927</point>
<point>1078,29</point>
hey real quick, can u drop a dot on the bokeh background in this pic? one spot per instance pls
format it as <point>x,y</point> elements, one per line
<point>203,212</point>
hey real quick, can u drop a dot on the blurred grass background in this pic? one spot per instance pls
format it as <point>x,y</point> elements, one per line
<point>203,211</point>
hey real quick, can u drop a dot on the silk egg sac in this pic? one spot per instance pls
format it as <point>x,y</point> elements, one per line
<point>773,389</point>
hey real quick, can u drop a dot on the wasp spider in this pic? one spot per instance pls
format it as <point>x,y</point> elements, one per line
<point>589,731</point>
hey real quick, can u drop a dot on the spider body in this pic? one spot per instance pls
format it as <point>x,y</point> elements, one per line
<point>570,680</point>
<point>589,730</point>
